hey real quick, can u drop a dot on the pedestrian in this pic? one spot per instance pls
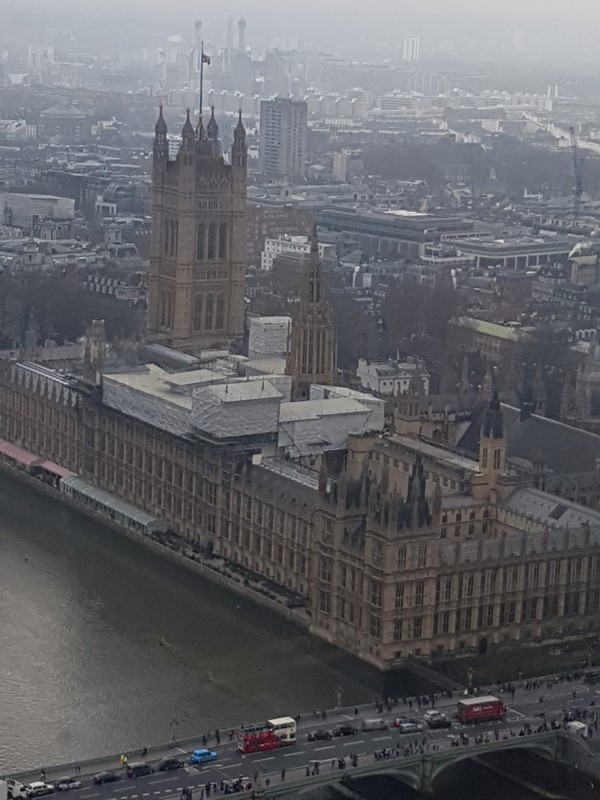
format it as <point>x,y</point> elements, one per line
<point>43,774</point>
<point>125,760</point>
<point>218,738</point>
<point>307,771</point>
<point>204,740</point>
<point>356,712</point>
<point>283,774</point>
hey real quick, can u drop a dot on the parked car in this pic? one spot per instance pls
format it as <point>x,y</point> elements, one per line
<point>167,764</point>
<point>436,719</point>
<point>64,784</point>
<point>39,789</point>
<point>408,725</point>
<point>345,730</point>
<point>138,769</point>
<point>202,756</point>
<point>106,777</point>
<point>319,736</point>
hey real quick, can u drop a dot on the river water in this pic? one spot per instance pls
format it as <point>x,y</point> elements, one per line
<point>106,647</point>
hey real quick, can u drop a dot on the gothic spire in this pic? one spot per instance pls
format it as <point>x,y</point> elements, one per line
<point>160,129</point>
<point>187,132</point>
<point>493,425</point>
<point>239,134</point>
<point>212,129</point>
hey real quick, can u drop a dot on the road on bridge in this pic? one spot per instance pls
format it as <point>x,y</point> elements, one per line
<point>290,764</point>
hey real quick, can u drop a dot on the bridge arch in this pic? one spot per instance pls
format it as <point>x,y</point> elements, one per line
<point>458,754</point>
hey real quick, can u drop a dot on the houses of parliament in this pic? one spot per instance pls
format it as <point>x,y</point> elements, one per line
<point>399,544</point>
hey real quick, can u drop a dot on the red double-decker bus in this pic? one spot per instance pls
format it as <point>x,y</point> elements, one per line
<point>272,734</point>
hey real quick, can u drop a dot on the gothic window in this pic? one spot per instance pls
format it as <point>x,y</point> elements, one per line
<point>223,240</point>
<point>212,241</point>
<point>175,236</point>
<point>200,242</point>
<point>209,313</point>
<point>220,312</point>
<point>198,309</point>
<point>166,238</point>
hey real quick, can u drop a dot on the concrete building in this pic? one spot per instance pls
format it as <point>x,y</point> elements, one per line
<point>411,48</point>
<point>24,210</point>
<point>291,244</point>
<point>283,132</point>
<point>196,283</point>
<point>515,252</point>
<point>392,378</point>
<point>271,222</point>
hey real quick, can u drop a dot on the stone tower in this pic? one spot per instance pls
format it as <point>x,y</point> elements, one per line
<point>492,446</point>
<point>196,281</point>
<point>311,357</point>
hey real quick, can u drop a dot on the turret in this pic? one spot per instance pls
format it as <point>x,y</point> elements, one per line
<point>239,151</point>
<point>161,145</point>
<point>212,131</point>
<point>492,446</point>
<point>188,137</point>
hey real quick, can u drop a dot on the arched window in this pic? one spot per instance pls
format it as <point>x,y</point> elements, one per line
<point>165,247</point>
<point>198,311</point>
<point>212,241</point>
<point>201,243</point>
<point>223,240</point>
<point>209,313</point>
<point>220,312</point>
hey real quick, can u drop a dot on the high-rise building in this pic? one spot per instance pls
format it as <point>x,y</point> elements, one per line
<point>311,356</point>
<point>196,284</point>
<point>411,47</point>
<point>283,129</point>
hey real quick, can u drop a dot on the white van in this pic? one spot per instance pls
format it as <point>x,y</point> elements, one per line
<point>15,789</point>
<point>578,727</point>
<point>377,724</point>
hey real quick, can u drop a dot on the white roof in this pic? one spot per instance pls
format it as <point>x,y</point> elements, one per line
<point>475,701</point>
<point>313,409</point>
<point>244,390</point>
<point>194,376</point>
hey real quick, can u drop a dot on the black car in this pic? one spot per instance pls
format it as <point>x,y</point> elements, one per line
<point>319,736</point>
<point>106,777</point>
<point>169,763</point>
<point>345,730</point>
<point>139,769</point>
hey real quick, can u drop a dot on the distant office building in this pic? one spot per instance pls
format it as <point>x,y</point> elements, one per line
<point>283,128</point>
<point>291,244</point>
<point>411,47</point>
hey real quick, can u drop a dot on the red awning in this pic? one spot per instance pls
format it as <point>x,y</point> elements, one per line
<point>18,454</point>
<point>55,469</point>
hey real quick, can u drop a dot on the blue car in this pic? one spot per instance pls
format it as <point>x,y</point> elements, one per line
<point>202,756</point>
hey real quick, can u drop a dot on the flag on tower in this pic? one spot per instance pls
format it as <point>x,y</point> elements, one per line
<point>205,59</point>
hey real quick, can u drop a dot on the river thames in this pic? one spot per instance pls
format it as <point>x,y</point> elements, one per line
<point>106,647</point>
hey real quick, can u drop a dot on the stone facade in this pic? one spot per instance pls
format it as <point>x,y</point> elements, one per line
<point>399,546</point>
<point>311,356</point>
<point>196,282</point>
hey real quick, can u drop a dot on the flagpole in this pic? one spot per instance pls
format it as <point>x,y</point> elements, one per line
<point>201,77</point>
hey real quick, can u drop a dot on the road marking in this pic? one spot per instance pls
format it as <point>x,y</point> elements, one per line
<point>181,750</point>
<point>85,796</point>
<point>329,747</point>
<point>267,758</point>
<point>190,770</point>
<point>297,753</point>
<point>381,738</point>
<point>162,780</point>
<point>157,792</point>
<point>351,744</point>
<point>146,794</point>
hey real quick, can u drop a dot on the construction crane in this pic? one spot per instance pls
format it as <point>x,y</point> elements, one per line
<point>577,169</point>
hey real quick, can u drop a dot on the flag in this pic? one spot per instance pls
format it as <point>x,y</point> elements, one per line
<point>205,59</point>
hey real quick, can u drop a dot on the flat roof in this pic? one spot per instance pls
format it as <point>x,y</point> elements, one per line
<point>151,381</point>
<point>552,511</point>
<point>313,409</point>
<point>292,471</point>
<point>109,500</point>
<point>194,376</point>
<point>431,451</point>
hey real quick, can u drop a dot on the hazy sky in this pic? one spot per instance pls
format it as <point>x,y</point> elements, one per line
<point>560,30</point>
